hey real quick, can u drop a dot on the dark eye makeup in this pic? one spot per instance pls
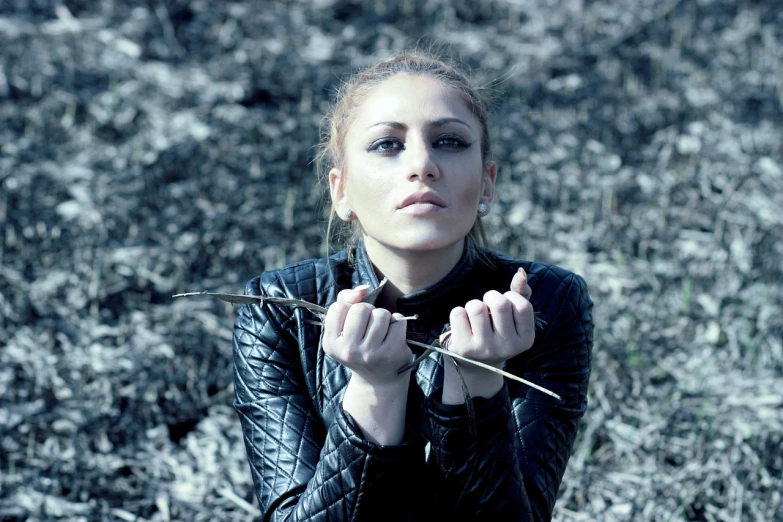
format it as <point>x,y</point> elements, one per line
<point>451,142</point>
<point>389,144</point>
<point>385,145</point>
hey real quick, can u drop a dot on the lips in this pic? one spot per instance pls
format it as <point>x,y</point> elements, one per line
<point>423,197</point>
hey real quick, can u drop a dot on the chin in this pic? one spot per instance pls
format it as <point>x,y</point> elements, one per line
<point>425,243</point>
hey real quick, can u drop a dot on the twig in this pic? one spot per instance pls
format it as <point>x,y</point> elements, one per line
<point>468,399</point>
<point>487,367</point>
<point>415,362</point>
<point>228,493</point>
<point>320,312</point>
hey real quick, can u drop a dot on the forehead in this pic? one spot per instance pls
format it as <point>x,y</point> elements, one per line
<point>412,97</point>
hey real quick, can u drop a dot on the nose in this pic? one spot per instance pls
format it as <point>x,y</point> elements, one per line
<point>422,163</point>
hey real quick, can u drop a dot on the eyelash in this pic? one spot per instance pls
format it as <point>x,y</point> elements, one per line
<point>455,142</point>
<point>376,146</point>
<point>448,142</point>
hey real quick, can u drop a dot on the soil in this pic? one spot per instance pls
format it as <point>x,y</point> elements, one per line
<point>149,148</point>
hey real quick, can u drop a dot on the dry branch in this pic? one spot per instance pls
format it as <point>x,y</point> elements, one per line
<point>320,312</point>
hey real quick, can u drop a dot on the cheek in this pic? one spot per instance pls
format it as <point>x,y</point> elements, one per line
<point>364,189</point>
<point>469,190</point>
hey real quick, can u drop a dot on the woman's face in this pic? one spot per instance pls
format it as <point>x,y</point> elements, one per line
<point>413,173</point>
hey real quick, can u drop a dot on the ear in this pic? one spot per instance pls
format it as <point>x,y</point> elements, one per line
<point>336,187</point>
<point>490,176</point>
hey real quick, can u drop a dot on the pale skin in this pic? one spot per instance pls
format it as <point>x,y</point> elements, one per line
<point>414,136</point>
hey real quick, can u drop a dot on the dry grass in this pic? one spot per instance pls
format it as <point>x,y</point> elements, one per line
<point>150,151</point>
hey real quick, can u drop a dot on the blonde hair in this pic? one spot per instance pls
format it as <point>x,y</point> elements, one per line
<point>351,94</point>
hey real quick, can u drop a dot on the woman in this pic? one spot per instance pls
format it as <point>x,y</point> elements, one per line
<point>333,431</point>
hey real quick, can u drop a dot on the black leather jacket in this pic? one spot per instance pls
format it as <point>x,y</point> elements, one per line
<point>309,460</point>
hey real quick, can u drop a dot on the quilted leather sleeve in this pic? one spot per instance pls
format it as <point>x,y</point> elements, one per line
<point>302,469</point>
<point>511,469</point>
<point>476,474</point>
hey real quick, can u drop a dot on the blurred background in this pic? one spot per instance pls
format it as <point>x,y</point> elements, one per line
<point>152,147</point>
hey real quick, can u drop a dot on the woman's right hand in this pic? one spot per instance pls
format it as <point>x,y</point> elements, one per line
<point>365,339</point>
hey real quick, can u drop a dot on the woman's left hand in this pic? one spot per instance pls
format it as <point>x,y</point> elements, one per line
<point>491,330</point>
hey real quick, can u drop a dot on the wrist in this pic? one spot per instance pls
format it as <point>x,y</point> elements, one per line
<point>479,381</point>
<point>374,386</point>
<point>378,409</point>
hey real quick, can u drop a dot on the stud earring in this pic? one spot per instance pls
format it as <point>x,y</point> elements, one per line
<point>482,207</point>
<point>345,213</point>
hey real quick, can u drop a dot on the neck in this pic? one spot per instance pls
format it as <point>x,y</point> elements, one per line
<point>410,271</point>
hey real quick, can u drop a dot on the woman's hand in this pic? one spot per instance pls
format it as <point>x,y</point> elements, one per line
<point>492,330</point>
<point>365,339</point>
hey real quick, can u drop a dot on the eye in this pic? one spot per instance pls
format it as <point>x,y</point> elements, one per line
<point>386,145</point>
<point>451,142</point>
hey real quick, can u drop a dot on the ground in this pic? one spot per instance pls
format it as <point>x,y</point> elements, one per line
<point>151,147</point>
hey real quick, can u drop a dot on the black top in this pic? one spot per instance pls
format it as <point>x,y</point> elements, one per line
<point>310,462</point>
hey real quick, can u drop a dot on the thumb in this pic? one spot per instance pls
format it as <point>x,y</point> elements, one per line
<point>519,281</point>
<point>353,295</point>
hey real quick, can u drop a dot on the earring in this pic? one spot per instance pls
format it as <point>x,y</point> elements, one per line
<point>345,213</point>
<point>482,207</point>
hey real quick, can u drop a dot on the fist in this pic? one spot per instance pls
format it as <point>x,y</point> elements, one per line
<point>497,327</point>
<point>365,339</point>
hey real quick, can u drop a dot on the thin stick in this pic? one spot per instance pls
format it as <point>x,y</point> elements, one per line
<point>487,367</point>
<point>407,318</point>
<point>320,312</point>
<point>415,362</point>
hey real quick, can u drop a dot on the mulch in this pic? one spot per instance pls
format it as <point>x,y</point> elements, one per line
<point>153,148</point>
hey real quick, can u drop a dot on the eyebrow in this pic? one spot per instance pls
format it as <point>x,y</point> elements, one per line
<point>435,123</point>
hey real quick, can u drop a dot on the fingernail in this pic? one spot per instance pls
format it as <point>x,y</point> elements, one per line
<point>361,288</point>
<point>521,270</point>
